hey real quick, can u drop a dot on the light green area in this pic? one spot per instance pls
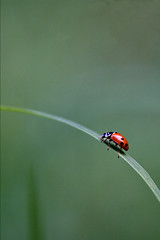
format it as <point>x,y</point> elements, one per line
<point>97,63</point>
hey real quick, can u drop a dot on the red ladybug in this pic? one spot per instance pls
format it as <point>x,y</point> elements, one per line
<point>117,138</point>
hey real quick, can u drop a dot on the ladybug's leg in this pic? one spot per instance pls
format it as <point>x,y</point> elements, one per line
<point>110,140</point>
<point>104,140</point>
<point>118,149</point>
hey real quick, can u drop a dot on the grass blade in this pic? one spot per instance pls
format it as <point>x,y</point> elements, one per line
<point>53,117</point>
<point>35,225</point>
<point>131,161</point>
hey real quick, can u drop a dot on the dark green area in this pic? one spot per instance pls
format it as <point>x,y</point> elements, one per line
<point>96,63</point>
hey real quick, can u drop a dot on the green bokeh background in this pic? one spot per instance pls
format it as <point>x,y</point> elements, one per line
<point>96,62</point>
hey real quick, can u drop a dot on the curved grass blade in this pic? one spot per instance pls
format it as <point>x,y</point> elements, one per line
<point>131,161</point>
<point>53,117</point>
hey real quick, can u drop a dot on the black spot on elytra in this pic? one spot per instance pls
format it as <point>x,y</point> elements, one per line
<point>121,143</point>
<point>122,138</point>
<point>126,145</point>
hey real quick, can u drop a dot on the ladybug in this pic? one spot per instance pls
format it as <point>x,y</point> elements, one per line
<point>117,138</point>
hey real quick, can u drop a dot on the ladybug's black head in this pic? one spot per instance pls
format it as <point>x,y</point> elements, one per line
<point>108,134</point>
<point>104,135</point>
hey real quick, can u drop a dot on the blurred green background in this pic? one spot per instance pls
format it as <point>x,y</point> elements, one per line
<point>96,62</point>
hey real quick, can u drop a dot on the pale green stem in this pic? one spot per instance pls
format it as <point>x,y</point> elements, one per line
<point>131,161</point>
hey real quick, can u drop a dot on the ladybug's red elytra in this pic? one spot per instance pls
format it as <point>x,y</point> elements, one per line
<point>117,138</point>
